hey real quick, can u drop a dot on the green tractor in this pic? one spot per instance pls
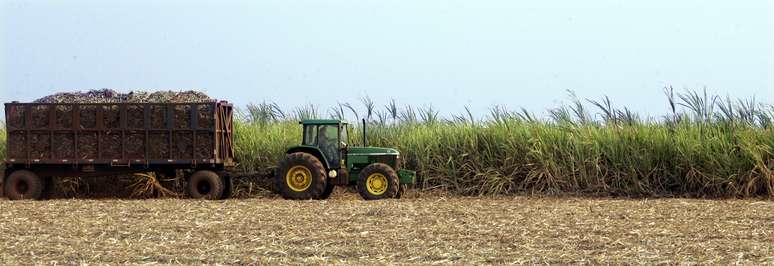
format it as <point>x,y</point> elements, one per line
<point>324,160</point>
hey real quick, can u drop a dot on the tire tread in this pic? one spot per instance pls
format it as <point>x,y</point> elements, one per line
<point>315,191</point>
<point>387,171</point>
<point>35,184</point>
<point>216,191</point>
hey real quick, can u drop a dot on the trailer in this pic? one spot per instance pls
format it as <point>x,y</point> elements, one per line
<point>51,140</point>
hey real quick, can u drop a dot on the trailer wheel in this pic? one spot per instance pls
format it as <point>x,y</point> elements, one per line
<point>23,184</point>
<point>205,184</point>
<point>228,188</point>
<point>301,176</point>
<point>48,188</point>
<point>378,181</point>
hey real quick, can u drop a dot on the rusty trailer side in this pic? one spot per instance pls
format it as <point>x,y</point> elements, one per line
<point>105,138</point>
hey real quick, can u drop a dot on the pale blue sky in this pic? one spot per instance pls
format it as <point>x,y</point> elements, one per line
<point>446,53</point>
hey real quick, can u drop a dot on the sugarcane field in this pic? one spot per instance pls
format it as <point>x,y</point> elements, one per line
<point>475,200</point>
<point>349,132</point>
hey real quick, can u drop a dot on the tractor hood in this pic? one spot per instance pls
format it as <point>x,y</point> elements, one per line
<point>372,151</point>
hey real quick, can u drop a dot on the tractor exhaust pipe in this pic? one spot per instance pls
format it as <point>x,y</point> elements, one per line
<point>365,138</point>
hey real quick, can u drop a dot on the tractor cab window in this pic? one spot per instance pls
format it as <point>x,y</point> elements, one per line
<point>328,136</point>
<point>310,135</point>
<point>328,142</point>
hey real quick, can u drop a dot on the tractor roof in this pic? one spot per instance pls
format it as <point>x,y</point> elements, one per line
<point>322,122</point>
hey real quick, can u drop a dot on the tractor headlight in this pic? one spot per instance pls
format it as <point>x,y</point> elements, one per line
<point>333,174</point>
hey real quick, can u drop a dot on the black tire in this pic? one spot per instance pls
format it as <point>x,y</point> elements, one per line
<point>23,185</point>
<point>327,192</point>
<point>48,188</point>
<point>205,184</point>
<point>384,170</point>
<point>304,187</point>
<point>228,187</point>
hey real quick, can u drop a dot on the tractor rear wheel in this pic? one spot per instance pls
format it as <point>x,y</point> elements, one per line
<point>327,192</point>
<point>341,179</point>
<point>301,176</point>
<point>23,184</point>
<point>378,181</point>
<point>205,184</point>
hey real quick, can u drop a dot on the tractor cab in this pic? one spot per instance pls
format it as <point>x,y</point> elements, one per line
<point>329,136</point>
<point>325,159</point>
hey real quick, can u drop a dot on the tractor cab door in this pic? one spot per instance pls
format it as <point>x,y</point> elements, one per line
<point>325,137</point>
<point>329,143</point>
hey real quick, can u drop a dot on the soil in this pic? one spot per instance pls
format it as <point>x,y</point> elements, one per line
<point>421,229</point>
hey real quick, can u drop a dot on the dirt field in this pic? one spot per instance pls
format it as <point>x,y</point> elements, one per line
<point>426,230</point>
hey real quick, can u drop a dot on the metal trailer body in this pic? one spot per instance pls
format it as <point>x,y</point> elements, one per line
<point>102,139</point>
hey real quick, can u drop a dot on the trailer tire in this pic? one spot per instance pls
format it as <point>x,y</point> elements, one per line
<point>378,181</point>
<point>48,188</point>
<point>228,188</point>
<point>24,184</point>
<point>301,176</point>
<point>205,184</point>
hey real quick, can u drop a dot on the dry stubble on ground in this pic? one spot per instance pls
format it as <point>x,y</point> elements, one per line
<point>424,230</point>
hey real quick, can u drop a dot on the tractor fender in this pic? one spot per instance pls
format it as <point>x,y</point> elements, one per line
<point>316,152</point>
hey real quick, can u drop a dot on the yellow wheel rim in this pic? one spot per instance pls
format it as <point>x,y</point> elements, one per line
<point>376,184</point>
<point>299,178</point>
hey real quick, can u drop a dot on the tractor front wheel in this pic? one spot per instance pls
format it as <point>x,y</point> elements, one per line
<point>378,181</point>
<point>301,176</point>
